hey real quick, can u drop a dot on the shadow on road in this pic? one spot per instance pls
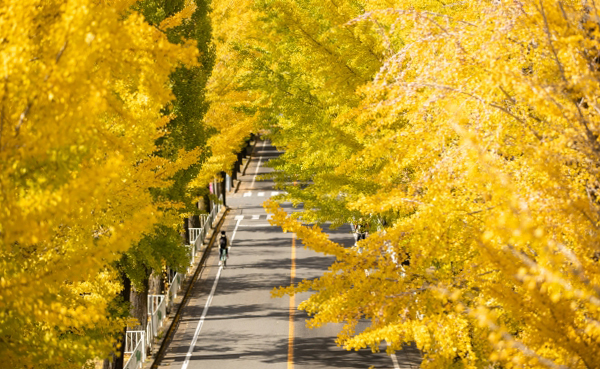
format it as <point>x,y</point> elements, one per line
<point>310,352</point>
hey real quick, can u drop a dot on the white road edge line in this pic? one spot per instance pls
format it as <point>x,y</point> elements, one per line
<point>205,311</point>
<point>393,356</point>
<point>395,361</point>
<point>257,167</point>
<point>256,172</point>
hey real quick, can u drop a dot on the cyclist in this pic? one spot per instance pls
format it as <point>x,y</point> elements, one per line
<point>223,248</point>
<point>361,230</point>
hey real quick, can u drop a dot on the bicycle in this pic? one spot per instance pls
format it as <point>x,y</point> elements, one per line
<point>223,257</point>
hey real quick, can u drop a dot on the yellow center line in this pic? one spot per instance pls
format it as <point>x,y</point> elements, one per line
<point>290,361</point>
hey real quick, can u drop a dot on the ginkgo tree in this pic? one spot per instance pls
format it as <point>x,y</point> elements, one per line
<point>233,112</point>
<point>466,134</point>
<point>82,91</point>
<point>182,21</point>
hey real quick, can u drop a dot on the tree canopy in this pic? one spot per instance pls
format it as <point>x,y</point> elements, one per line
<point>464,134</point>
<point>84,86</point>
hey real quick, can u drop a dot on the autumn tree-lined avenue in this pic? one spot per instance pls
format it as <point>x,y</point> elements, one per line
<point>462,135</point>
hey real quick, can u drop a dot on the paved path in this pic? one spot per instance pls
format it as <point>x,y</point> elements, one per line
<point>234,323</point>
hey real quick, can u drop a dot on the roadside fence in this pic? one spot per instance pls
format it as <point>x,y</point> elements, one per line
<point>135,348</point>
<point>207,221</point>
<point>138,342</point>
<point>157,311</point>
<point>174,287</point>
<point>194,233</point>
<point>192,255</point>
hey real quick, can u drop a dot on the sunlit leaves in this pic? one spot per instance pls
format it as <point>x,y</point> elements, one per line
<point>81,92</point>
<point>472,152</point>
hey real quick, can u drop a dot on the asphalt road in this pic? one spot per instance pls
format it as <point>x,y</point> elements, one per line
<point>231,321</point>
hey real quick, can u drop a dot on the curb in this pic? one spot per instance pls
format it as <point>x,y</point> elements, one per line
<point>157,358</point>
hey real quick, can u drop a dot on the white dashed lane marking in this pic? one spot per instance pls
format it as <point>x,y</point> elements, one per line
<point>253,216</point>
<point>261,194</point>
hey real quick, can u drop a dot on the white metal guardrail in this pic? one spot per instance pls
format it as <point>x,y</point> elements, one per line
<point>157,310</point>
<point>174,287</point>
<point>136,348</point>
<point>139,342</point>
<point>194,233</point>
<point>207,223</point>
<point>192,255</point>
<point>148,336</point>
<point>131,340</point>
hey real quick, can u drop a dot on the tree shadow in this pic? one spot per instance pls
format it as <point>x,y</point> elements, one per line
<point>312,352</point>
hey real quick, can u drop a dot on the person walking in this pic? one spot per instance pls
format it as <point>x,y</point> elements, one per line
<point>223,249</point>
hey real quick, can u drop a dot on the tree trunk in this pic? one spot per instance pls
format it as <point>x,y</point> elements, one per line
<point>186,230</point>
<point>156,283</point>
<point>139,305</point>
<point>120,360</point>
<point>223,187</point>
<point>116,361</point>
<point>110,362</point>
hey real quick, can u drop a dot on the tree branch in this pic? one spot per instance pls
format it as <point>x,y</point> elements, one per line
<point>549,36</point>
<point>482,100</point>
<point>61,51</point>
<point>23,116</point>
<point>480,211</point>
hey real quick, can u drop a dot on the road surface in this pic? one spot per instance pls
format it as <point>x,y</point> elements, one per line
<point>231,321</point>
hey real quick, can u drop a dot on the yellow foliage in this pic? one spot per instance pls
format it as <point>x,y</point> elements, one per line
<point>82,85</point>
<point>232,25</point>
<point>471,128</point>
<point>176,19</point>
